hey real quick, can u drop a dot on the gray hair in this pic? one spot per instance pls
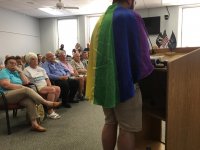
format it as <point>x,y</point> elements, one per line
<point>29,56</point>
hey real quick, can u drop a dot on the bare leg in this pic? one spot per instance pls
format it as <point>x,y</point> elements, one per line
<point>50,92</point>
<point>81,86</point>
<point>126,140</point>
<point>109,136</point>
<point>57,93</point>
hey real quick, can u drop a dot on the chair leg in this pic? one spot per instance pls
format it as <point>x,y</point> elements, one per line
<point>14,113</point>
<point>6,110</point>
<point>8,122</point>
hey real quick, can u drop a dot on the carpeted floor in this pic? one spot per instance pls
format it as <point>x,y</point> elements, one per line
<point>78,129</point>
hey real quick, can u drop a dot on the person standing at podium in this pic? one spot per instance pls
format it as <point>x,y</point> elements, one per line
<point>119,58</point>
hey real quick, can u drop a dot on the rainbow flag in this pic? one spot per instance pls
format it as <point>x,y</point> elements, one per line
<point>118,57</point>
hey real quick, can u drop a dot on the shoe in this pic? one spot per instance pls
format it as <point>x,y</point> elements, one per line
<point>54,104</point>
<point>76,97</point>
<point>57,115</point>
<point>38,128</point>
<point>54,115</point>
<point>82,98</point>
<point>74,101</point>
<point>66,105</point>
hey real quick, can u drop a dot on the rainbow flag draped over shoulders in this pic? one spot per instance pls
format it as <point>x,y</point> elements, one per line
<point>118,57</point>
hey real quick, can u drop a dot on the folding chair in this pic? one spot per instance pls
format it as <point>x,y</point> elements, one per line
<point>5,106</point>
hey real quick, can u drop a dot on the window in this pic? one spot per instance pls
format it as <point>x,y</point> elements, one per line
<point>68,34</point>
<point>92,20</point>
<point>190,27</point>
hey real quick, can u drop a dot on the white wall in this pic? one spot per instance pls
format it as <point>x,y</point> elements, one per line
<point>19,33</point>
<point>48,35</point>
<point>83,31</point>
<point>171,24</point>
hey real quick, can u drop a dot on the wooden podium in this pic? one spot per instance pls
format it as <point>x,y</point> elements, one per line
<point>172,94</point>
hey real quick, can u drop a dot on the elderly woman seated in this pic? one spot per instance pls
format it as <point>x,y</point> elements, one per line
<point>78,65</point>
<point>38,76</point>
<point>11,80</point>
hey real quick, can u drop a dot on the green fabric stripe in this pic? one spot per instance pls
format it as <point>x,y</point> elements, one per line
<point>106,92</point>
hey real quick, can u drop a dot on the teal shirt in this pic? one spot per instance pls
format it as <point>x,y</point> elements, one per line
<point>13,76</point>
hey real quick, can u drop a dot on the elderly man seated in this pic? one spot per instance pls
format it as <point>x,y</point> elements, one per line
<point>84,58</point>
<point>60,76</point>
<point>74,74</point>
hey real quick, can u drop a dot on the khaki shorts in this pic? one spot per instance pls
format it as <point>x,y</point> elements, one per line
<point>128,114</point>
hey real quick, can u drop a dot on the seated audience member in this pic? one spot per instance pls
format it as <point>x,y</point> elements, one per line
<point>24,61</point>
<point>78,47</point>
<point>38,76</point>
<point>11,80</point>
<point>60,76</point>
<point>84,58</point>
<point>61,49</point>
<point>74,51</point>
<point>43,59</point>
<point>69,58</point>
<point>20,64</point>
<point>74,74</point>
<point>87,48</point>
<point>1,67</point>
<point>78,65</point>
<point>1,63</point>
<point>39,57</point>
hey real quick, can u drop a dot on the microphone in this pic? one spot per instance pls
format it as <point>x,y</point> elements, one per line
<point>158,62</point>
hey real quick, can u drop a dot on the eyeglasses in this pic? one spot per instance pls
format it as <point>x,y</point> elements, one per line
<point>12,63</point>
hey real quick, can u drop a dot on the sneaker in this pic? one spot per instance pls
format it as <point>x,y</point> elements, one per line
<point>54,115</point>
<point>58,116</point>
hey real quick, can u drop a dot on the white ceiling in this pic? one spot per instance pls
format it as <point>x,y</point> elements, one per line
<point>30,7</point>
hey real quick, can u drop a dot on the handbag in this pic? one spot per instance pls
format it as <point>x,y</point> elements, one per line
<point>40,113</point>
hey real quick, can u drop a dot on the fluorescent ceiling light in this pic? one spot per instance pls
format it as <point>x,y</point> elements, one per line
<point>51,11</point>
<point>180,2</point>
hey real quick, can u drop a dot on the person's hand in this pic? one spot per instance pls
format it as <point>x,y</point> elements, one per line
<point>75,74</point>
<point>18,69</point>
<point>63,77</point>
<point>82,71</point>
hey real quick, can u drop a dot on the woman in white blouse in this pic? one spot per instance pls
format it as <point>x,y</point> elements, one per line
<point>38,76</point>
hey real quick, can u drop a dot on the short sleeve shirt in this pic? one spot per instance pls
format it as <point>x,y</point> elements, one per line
<point>12,76</point>
<point>37,76</point>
